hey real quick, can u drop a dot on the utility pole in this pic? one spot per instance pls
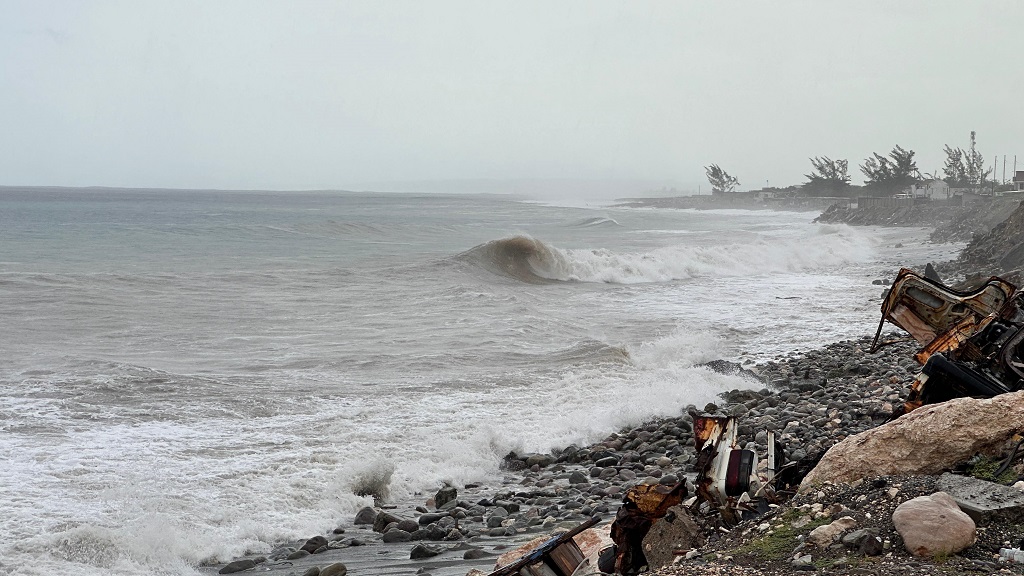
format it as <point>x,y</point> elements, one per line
<point>1004,170</point>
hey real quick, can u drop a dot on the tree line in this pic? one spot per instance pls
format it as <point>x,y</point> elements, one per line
<point>884,175</point>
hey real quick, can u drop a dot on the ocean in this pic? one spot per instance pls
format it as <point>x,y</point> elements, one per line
<point>188,376</point>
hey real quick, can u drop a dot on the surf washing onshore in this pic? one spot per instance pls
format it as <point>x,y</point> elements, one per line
<point>191,377</point>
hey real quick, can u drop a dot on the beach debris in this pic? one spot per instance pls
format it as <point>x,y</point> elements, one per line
<point>934,526</point>
<point>671,536</point>
<point>558,556</point>
<point>972,341</point>
<point>729,479</point>
<point>642,506</point>
<point>930,440</point>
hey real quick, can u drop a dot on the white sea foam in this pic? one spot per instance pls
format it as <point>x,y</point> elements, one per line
<point>814,248</point>
<point>165,405</point>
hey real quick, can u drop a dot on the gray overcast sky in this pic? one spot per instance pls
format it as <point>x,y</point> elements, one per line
<point>297,95</point>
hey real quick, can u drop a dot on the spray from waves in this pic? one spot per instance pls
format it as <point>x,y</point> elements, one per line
<point>530,260</point>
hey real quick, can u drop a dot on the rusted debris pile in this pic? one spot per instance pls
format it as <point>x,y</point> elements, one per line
<point>731,485</point>
<point>972,341</point>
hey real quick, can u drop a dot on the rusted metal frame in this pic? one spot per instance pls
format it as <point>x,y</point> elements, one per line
<point>923,320</point>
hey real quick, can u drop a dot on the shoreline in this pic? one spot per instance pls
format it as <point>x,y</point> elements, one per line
<point>811,399</point>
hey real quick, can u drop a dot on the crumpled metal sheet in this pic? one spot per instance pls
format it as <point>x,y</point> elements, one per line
<point>926,309</point>
<point>642,505</point>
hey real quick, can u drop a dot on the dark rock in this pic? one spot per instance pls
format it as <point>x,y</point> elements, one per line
<point>380,523</point>
<point>421,551</point>
<point>396,535</point>
<point>298,554</point>
<point>336,569</point>
<point>365,516</point>
<point>314,543</point>
<point>982,500</point>
<point>313,571</point>
<point>474,554</point>
<point>237,566</point>
<point>430,518</point>
<point>445,495</point>
<point>408,525</point>
<point>541,460</point>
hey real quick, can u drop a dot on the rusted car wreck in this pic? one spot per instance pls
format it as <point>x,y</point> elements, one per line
<point>972,340</point>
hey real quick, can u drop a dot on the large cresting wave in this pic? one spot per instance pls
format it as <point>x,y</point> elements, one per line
<point>530,260</point>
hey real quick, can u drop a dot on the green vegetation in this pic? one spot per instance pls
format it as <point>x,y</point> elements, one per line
<point>888,175</point>
<point>721,181</point>
<point>985,468</point>
<point>779,544</point>
<point>829,177</point>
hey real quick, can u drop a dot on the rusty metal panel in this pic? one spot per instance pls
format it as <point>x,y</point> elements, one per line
<point>926,309</point>
<point>953,338</point>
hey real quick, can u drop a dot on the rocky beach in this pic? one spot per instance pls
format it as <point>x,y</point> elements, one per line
<point>812,400</point>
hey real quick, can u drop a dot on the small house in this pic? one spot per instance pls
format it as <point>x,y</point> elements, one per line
<point>932,189</point>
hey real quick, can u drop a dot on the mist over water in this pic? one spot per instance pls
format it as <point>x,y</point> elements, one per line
<point>192,375</point>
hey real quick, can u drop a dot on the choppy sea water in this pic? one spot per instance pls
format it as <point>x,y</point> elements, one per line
<point>188,376</point>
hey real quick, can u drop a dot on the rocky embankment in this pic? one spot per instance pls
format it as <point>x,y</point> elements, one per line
<point>812,400</point>
<point>999,251</point>
<point>951,223</point>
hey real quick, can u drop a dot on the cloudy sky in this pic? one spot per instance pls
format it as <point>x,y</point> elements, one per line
<point>342,94</point>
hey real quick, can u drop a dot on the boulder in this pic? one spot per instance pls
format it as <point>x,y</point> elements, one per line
<point>578,477</point>
<point>983,501</point>
<point>823,536</point>
<point>474,554</point>
<point>933,526</point>
<point>365,516</point>
<point>336,569</point>
<point>445,495</point>
<point>237,566</point>
<point>541,460</point>
<point>396,535</point>
<point>430,518</point>
<point>928,440</point>
<point>675,531</point>
<point>314,544</point>
<point>865,540</point>
<point>380,523</point>
<point>408,525</point>
<point>421,551</point>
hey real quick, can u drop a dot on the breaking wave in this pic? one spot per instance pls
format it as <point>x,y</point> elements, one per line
<point>596,221</point>
<point>530,260</point>
<point>522,258</point>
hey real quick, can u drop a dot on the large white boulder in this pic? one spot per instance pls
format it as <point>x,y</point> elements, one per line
<point>928,440</point>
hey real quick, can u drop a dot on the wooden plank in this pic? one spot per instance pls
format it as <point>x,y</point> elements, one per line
<point>543,550</point>
<point>566,557</point>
